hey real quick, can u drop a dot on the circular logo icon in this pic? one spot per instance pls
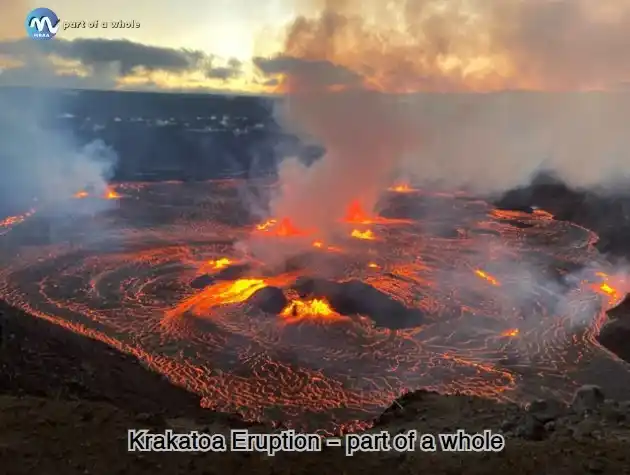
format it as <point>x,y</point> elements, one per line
<point>42,24</point>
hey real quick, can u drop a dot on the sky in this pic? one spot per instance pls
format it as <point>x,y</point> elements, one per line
<point>269,46</point>
<point>227,28</point>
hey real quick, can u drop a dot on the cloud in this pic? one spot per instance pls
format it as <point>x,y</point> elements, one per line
<point>107,64</point>
<point>127,54</point>
<point>97,52</point>
<point>320,72</point>
<point>232,70</point>
<point>469,45</point>
<point>38,73</point>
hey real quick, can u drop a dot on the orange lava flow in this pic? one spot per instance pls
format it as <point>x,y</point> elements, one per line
<point>216,264</point>
<point>543,214</point>
<point>487,277</point>
<point>226,293</point>
<point>355,214</point>
<point>109,194</point>
<point>402,188</point>
<point>610,289</point>
<point>13,220</point>
<point>223,293</point>
<point>112,194</point>
<point>467,299</point>
<point>266,225</point>
<point>282,228</point>
<point>321,245</point>
<point>286,228</point>
<point>367,234</point>
<point>313,309</point>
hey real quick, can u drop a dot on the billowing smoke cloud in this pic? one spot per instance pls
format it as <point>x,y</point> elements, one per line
<point>44,161</point>
<point>340,67</point>
<point>360,152</point>
<point>432,45</point>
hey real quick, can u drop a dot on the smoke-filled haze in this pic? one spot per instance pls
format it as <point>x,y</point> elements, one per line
<point>39,161</point>
<point>49,164</point>
<point>334,61</point>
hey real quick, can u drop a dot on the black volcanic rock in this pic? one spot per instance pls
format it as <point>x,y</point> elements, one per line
<point>621,311</point>
<point>357,298</point>
<point>615,334</point>
<point>607,212</point>
<point>298,262</point>
<point>237,271</point>
<point>506,206</point>
<point>269,300</point>
<point>229,273</point>
<point>202,281</point>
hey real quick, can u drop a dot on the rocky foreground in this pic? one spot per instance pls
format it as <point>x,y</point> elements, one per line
<point>66,404</point>
<point>48,436</point>
<point>589,417</point>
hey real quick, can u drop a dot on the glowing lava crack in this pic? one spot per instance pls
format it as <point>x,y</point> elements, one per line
<point>496,303</point>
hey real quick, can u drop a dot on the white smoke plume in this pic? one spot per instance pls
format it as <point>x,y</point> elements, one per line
<point>430,90</point>
<point>44,161</point>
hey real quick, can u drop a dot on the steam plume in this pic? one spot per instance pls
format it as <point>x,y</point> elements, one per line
<point>339,65</point>
<point>43,162</point>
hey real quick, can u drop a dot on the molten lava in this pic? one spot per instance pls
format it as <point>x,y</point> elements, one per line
<point>484,275</point>
<point>372,322</point>
<point>283,228</point>
<point>543,214</point>
<point>611,290</point>
<point>367,234</point>
<point>111,194</point>
<point>233,292</point>
<point>226,293</point>
<point>355,214</point>
<point>215,265</point>
<point>266,225</point>
<point>313,309</point>
<point>286,228</point>
<point>13,220</point>
<point>402,188</point>
<point>222,293</point>
<point>222,263</point>
<point>321,245</point>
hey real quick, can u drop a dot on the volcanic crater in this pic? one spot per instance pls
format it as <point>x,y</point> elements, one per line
<point>436,291</point>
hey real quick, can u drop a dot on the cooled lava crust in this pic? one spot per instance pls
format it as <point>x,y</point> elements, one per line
<point>438,291</point>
